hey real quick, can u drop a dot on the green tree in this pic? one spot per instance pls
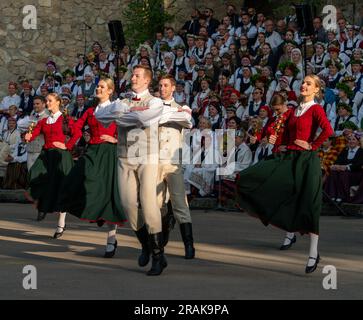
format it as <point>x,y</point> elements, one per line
<point>143,18</point>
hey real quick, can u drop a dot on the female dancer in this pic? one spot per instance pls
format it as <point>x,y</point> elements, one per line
<point>290,182</point>
<point>55,161</point>
<point>90,191</point>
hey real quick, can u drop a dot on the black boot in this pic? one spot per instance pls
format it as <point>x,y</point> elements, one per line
<point>158,258</point>
<point>143,236</point>
<point>187,235</point>
<point>168,223</point>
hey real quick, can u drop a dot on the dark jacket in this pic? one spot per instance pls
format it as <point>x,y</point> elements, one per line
<point>355,164</point>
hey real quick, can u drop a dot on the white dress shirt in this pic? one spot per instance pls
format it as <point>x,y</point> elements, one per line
<point>303,107</point>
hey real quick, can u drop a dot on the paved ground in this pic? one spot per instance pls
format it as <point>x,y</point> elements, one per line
<point>237,258</point>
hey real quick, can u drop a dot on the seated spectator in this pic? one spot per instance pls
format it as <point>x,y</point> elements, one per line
<point>80,108</point>
<point>344,114</point>
<point>347,170</point>
<point>238,160</point>
<point>11,99</point>
<point>26,100</point>
<point>16,172</point>
<point>12,114</point>
<point>328,156</point>
<point>255,105</point>
<point>263,151</point>
<point>200,173</point>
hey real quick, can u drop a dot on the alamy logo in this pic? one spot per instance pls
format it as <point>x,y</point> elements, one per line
<point>30,18</point>
<point>30,280</point>
<point>330,281</point>
<point>330,20</point>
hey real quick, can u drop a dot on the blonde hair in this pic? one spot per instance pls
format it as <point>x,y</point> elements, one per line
<point>110,83</point>
<point>317,83</point>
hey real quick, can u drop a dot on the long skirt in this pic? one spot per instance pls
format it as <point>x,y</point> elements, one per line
<point>90,191</point>
<point>46,177</point>
<point>284,190</point>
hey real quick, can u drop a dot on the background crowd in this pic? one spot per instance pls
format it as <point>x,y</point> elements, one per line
<point>227,71</point>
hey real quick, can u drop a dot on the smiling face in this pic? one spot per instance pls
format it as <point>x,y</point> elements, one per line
<point>166,89</point>
<point>310,87</point>
<point>103,92</point>
<point>53,103</point>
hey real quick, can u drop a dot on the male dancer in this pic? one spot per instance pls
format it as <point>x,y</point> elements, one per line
<point>170,171</point>
<point>138,160</point>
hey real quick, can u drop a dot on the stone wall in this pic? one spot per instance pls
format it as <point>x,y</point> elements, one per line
<point>59,36</point>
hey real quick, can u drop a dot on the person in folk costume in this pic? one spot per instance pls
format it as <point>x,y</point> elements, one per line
<point>190,45</point>
<point>243,82</point>
<point>201,76</point>
<point>328,154</point>
<point>341,140</point>
<point>12,114</point>
<point>201,100</point>
<point>291,72</point>
<point>293,204</point>
<point>319,58</point>
<point>344,96</point>
<point>67,106</point>
<point>263,151</point>
<point>69,78</point>
<point>79,108</point>
<point>277,124</point>
<point>34,148</point>
<point>259,125</point>
<point>96,50</point>
<point>126,56</point>
<point>217,61</point>
<point>296,58</point>
<point>200,48</point>
<point>204,33</point>
<point>192,73</point>
<point>255,104</point>
<point>179,94</point>
<point>245,63</point>
<point>346,171</point>
<point>356,73</point>
<point>88,88</point>
<point>223,88</point>
<point>201,170</point>
<point>124,84</point>
<point>336,55</point>
<point>106,67</point>
<point>167,65</point>
<point>54,162</point>
<point>344,114</point>
<point>16,171</point>
<point>334,76</point>
<point>170,175</point>
<point>351,42</point>
<point>51,70</point>
<point>90,190</point>
<point>214,114</point>
<point>270,83</point>
<point>211,70</point>
<point>52,84</point>
<point>266,58</point>
<point>138,164</point>
<point>180,61</point>
<point>188,84</point>
<point>26,103</point>
<point>143,51</point>
<point>79,68</point>
<point>239,159</point>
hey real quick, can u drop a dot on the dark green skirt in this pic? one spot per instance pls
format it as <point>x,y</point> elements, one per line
<point>46,177</point>
<point>90,191</point>
<point>284,191</point>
